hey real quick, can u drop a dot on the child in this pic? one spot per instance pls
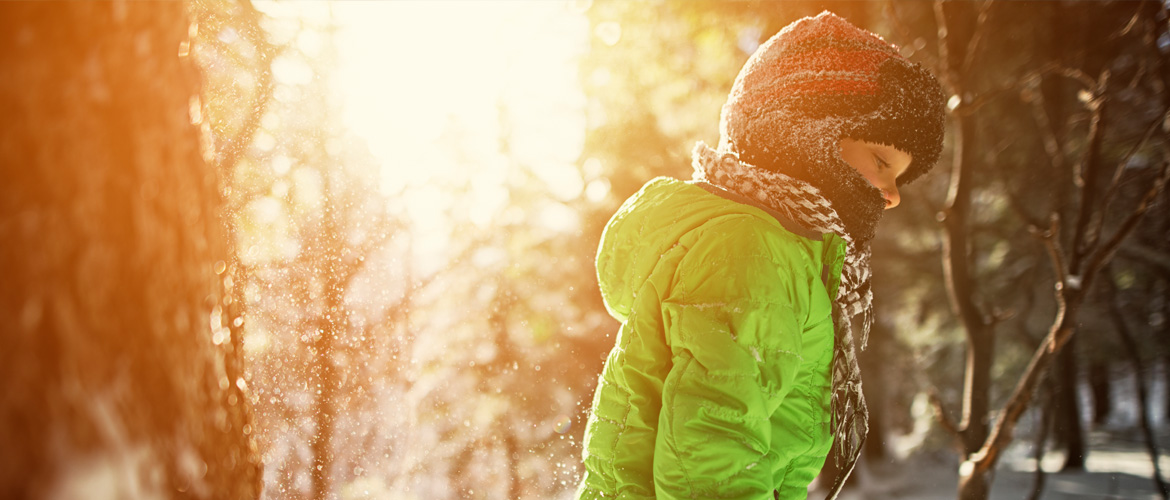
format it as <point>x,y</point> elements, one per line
<point>734,371</point>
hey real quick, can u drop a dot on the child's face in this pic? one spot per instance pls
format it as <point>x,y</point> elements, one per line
<point>880,164</point>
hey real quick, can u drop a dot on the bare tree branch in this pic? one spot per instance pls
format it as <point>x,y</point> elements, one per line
<point>977,36</point>
<point>1017,205</point>
<point>940,413</point>
<point>1133,20</point>
<point>944,53</point>
<point>1012,85</point>
<point>1085,177</point>
<point>1070,297</point>
<point>1150,256</point>
<point>899,26</point>
<point>1105,252</point>
<point>1115,183</point>
<point>1001,432</point>
<point>1057,158</point>
<point>1051,240</point>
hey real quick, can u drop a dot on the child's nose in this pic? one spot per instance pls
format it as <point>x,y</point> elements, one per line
<point>893,198</point>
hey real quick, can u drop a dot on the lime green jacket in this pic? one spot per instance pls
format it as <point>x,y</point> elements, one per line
<point>718,385</point>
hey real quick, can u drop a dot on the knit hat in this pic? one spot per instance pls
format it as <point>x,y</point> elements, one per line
<point>820,80</point>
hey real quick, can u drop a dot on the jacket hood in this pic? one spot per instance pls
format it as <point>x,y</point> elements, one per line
<point>646,227</point>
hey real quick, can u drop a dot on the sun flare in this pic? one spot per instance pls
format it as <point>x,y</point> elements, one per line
<point>435,87</point>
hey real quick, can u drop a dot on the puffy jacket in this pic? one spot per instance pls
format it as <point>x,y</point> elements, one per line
<point>718,385</point>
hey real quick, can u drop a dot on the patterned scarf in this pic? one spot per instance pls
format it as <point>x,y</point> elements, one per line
<point>804,204</point>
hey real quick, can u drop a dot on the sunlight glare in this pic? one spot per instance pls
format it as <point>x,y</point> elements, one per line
<point>416,75</point>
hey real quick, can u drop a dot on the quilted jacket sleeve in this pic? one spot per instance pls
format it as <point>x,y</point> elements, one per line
<point>733,321</point>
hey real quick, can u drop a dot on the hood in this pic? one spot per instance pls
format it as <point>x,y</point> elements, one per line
<point>646,227</point>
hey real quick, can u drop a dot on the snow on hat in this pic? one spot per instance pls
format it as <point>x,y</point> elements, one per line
<point>817,81</point>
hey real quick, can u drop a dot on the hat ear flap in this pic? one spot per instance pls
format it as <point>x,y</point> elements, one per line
<point>916,108</point>
<point>909,113</point>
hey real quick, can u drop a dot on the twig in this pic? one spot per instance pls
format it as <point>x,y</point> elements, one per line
<point>948,73</point>
<point>1017,206</point>
<point>1117,173</point>
<point>1129,26</point>
<point>1051,240</point>
<point>940,413</point>
<point>972,48</point>
<point>1158,259</point>
<point>968,108</point>
<point>1085,176</point>
<point>1057,158</point>
<point>1001,432</point>
<point>899,26</point>
<point>1105,252</point>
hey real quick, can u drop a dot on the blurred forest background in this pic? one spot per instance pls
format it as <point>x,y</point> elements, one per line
<point>300,250</point>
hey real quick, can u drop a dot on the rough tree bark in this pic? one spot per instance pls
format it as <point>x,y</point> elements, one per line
<point>112,372</point>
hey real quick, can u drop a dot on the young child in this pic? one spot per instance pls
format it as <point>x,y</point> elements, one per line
<point>735,369</point>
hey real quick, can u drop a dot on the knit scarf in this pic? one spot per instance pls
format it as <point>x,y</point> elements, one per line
<point>803,203</point>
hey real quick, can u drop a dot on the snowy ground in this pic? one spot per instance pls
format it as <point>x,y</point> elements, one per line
<point>1118,467</point>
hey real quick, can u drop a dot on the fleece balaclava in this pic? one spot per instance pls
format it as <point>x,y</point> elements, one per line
<point>820,80</point>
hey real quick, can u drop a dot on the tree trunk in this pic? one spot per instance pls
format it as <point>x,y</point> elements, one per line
<point>110,221</point>
<point>325,408</point>
<point>1102,393</point>
<point>332,327</point>
<point>874,365</point>
<point>977,390</point>
<point>1143,405</point>
<point>1164,339</point>
<point>1067,427</point>
<point>957,34</point>
<point>1044,415</point>
<point>973,486</point>
<point>961,287</point>
<point>1166,373</point>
